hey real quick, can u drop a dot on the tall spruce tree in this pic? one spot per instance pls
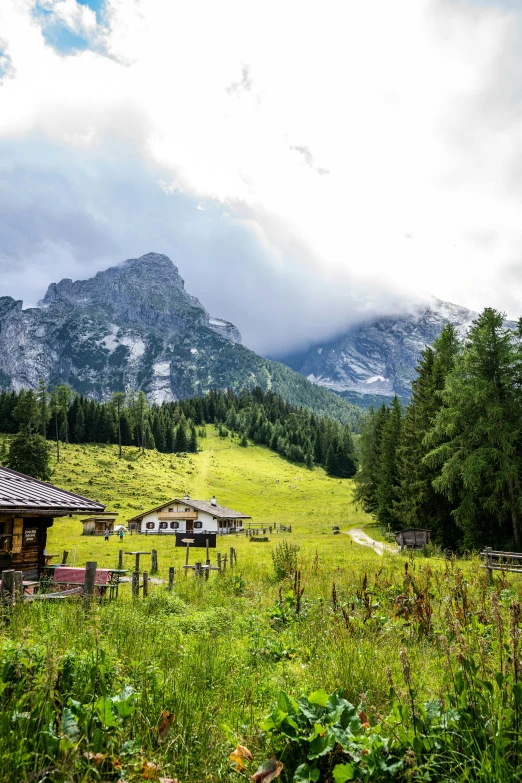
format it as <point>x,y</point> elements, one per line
<point>477,434</point>
<point>388,474</point>
<point>367,477</point>
<point>118,403</point>
<point>417,503</point>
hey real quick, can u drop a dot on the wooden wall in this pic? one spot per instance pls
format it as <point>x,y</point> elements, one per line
<point>27,545</point>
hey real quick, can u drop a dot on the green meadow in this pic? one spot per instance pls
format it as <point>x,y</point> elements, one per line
<point>253,480</point>
<point>312,653</point>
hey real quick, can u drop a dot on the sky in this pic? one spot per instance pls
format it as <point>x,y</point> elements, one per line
<point>305,165</point>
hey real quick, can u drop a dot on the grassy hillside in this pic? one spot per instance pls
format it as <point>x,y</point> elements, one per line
<point>165,688</point>
<point>253,480</point>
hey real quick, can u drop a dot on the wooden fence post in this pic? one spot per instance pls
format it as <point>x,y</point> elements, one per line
<point>18,590</point>
<point>7,587</point>
<point>197,569</point>
<point>224,561</point>
<point>90,578</point>
<point>135,583</point>
<point>120,559</point>
<point>171,577</point>
<point>219,562</point>
<point>65,556</point>
<point>231,560</point>
<point>145,584</point>
<point>154,562</point>
<point>489,563</point>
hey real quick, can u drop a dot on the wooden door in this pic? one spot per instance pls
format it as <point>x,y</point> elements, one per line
<point>189,526</point>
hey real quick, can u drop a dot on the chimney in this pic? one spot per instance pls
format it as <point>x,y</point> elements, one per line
<point>213,501</point>
<point>187,497</point>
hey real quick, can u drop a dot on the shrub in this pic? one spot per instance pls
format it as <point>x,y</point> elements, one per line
<point>284,559</point>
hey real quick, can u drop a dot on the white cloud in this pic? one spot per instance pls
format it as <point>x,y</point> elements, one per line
<point>413,108</point>
<point>80,19</point>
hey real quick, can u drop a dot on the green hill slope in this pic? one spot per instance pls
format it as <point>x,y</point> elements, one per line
<point>254,480</point>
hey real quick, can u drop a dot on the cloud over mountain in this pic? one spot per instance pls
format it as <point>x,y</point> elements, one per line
<point>203,129</point>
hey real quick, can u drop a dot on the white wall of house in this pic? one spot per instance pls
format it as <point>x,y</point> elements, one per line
<point>204,523</point>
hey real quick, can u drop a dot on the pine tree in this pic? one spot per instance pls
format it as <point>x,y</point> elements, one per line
<point>417,503</point>
<point>44,406</point>
<point>141,412</point>
<point>477,434</point>
<point>193,440</point>
<point>64,395</point>
<point>79,424</point>
<point>118,403</point>
<point>55,411</point>
<point>180,441</point>
<point>27,412</point>
<point>388,474</point>
<point>29,452</point>
<point>367,477</point>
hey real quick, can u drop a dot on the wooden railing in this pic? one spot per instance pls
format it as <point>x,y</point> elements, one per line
<point>163,515</point>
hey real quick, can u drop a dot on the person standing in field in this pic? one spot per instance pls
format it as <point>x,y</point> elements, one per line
<point>106,535</point>
<point>121,534</point>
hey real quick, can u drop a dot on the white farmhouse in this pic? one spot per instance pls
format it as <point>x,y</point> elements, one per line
<point>188,516</point>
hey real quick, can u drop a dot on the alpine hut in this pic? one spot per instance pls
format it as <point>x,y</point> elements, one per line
<point>183,515</point>
<point>27,509</point>
<point>99,525</point>
<point>413,538</point>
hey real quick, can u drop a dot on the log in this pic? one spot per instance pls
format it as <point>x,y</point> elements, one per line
<point>135,584</point>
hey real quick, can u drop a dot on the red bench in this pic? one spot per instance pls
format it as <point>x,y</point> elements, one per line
<point>76,576</point>
<point>58,578</point>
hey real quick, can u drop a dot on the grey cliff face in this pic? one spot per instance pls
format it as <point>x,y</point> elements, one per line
<point>379,357</point>
<point>131,326</point>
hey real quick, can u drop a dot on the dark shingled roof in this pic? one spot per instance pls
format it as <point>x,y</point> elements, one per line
<point>19,493</point>
<point>220,512</point>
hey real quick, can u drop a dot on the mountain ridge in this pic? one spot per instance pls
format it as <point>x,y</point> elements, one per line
<point>134,326</point>
<point>378,357</point>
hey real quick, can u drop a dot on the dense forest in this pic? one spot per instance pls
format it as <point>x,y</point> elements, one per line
<point>451,461</point>
<point>262,417</point>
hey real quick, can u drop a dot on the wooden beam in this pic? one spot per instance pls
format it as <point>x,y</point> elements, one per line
<point>18,528</point>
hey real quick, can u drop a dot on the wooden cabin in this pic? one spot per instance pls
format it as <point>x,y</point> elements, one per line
<point>99,525</point>
<point>413,538</point>
<point>183,515</point>
<point>27,509</point>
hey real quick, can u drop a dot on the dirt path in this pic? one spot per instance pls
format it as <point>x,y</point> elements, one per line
<point>360,537</point>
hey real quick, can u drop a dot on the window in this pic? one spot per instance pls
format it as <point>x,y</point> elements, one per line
<point>163,525</point>
<point>187,509</point>
<point>198,525</point>
<point>171,509</point>
<point>150,525</point>
<point>174,525</point>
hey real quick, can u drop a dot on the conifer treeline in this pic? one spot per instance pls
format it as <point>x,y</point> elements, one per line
<point>262,417</point>
<point>452,461</point>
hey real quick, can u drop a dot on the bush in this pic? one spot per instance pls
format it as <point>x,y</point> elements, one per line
<point>284,559</point>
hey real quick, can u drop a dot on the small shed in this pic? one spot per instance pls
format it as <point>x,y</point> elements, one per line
<point>99,525</point>
<point>27,509</point>
<point>413,538</point>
